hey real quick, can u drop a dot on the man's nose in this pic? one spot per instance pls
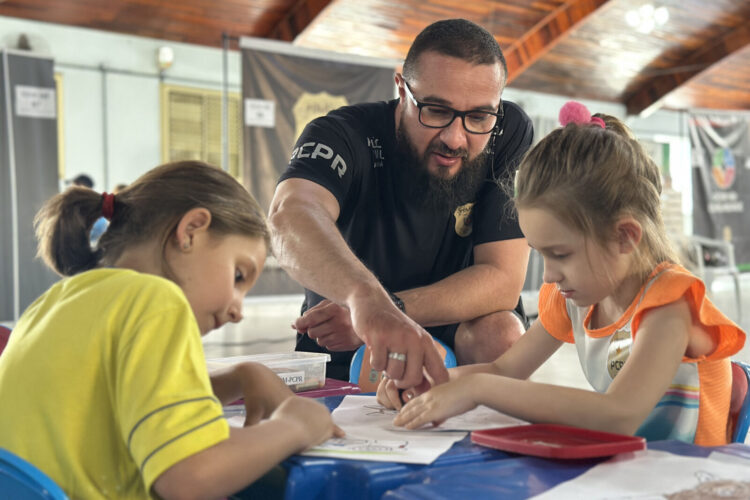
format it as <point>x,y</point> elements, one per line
<point>454,135</point>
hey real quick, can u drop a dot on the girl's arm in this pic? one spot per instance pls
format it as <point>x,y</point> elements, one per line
<point>263,391</point>
<point>250,452</point>
<point>656,354</point>
<point>522,359</point>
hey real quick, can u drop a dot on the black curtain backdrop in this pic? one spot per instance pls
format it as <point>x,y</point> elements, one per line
<point>28,175</point>
<point>299,86</point>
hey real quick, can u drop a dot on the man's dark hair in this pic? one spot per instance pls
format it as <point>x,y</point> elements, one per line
<point>456,38</point>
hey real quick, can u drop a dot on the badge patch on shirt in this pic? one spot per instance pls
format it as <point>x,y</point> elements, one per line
<point>464,219</point>
<point>619,350</point>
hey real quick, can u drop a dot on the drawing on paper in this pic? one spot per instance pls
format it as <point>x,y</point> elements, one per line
<point>379,410</point>
<point>367,445</point>
<point>709,487</point>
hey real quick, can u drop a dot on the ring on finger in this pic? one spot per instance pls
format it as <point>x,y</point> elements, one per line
<point>398,356</point>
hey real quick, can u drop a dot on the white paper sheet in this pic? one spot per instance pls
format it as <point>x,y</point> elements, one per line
<point>652,474</point>
<point>371,435</point>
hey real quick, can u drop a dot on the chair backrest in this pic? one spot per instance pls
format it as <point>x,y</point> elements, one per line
<point>20,479</point>
<point>362,374</point>
<point>4,336</point>
<point>712,253</point>
<point>739,407</point>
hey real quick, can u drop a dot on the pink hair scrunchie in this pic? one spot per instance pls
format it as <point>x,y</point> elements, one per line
<point>575,112</point>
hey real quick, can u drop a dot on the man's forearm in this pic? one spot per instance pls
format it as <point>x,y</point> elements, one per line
<point>309,246</point>
<point>476,291</point>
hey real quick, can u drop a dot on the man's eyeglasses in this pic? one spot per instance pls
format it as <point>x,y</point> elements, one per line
<point>438,116</point>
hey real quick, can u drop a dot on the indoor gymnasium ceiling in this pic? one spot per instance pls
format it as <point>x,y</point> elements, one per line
<point>698,58</point>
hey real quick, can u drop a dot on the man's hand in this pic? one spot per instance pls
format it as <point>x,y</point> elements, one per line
<point>329,325</point>
<point>398,345</point>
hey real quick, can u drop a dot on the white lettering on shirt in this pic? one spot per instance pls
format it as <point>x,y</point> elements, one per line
<point>321,151</point>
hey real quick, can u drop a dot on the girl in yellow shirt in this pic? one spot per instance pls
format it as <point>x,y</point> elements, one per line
<point>104,382</point>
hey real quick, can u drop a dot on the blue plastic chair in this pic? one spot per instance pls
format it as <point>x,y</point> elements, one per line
<point>370,383</point>
<point>740,417</point>
<point>20,479</point>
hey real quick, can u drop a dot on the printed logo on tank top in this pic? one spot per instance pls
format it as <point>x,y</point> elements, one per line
<point>619,350</point>
<point>376,151</point>
<point>464,220</point>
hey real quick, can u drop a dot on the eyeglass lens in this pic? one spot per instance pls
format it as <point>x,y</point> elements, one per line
<point>474,121</point>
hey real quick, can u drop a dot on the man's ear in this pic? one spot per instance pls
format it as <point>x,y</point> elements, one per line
<point>398,79</point>
<point>629,234</point>
<point>195,222</point>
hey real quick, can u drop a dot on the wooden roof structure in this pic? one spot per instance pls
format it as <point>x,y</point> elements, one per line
<point>699,58</point>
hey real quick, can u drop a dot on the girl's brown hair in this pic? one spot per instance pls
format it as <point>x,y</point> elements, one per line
<point>151,207</point>
<point>589,177</point>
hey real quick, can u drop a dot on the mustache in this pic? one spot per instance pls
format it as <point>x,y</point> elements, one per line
<point>444,150</point>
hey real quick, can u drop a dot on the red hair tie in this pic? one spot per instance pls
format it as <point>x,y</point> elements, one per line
<point>575,112</point>
<point>108,205</point>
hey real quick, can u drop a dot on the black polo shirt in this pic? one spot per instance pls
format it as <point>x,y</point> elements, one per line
<point>352,153</point>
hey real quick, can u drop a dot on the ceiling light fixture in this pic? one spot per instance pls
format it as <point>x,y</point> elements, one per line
<point>647,17</point>
<point>164,57</point>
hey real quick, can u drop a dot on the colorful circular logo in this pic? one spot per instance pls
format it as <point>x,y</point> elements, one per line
<point>723,168</point>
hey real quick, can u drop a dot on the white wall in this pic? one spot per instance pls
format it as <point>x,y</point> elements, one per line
<point>96,65</point>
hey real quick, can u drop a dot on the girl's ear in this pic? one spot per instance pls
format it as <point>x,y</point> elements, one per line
<point>194,222</point>
<point>629,233</point>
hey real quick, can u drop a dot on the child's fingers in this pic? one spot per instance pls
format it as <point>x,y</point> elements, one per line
<point>338,431</point>
<point>394,395</point>
<point>412,415</point>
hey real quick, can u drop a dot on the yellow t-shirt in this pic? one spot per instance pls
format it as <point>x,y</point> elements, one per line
<point>104,384</point>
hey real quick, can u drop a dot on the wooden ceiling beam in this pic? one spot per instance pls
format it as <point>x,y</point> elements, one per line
<point>651,96</point>
<point>297,19</point>
<point>550,31</point>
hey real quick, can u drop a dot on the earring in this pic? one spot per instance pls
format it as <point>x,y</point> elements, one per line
<point>186,245</point>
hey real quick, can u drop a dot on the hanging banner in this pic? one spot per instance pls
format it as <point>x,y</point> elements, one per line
<point>28,174</point>
<point>720,151</point>
<point>284,87</point>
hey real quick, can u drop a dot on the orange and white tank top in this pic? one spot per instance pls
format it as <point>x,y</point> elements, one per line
<point>695,407</point>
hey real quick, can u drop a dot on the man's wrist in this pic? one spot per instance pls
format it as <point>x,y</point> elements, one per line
<point>397,300</point>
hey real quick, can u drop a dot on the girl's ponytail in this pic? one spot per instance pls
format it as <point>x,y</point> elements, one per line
<point>147,210</point>
<point>62,230</point>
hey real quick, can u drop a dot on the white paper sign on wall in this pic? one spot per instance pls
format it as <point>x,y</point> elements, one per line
<point>35,102</point>
<point>260,113</point>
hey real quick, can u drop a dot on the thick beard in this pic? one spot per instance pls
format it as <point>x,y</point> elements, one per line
<point>435,192</point>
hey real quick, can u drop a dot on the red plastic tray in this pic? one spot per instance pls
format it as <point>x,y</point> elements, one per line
<point>332,387</point>
<point>557,441</point>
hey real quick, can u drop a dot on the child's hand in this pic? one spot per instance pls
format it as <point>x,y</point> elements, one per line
<point>388,394</point>
<point>313,419</point>
<point>438,404</point>
<point>391,396</point>
<point>263,391</point>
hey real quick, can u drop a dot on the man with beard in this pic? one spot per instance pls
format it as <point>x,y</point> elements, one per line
<point>390,215</point>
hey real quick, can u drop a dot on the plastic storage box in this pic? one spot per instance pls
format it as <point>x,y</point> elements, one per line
<point>301,371</point>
